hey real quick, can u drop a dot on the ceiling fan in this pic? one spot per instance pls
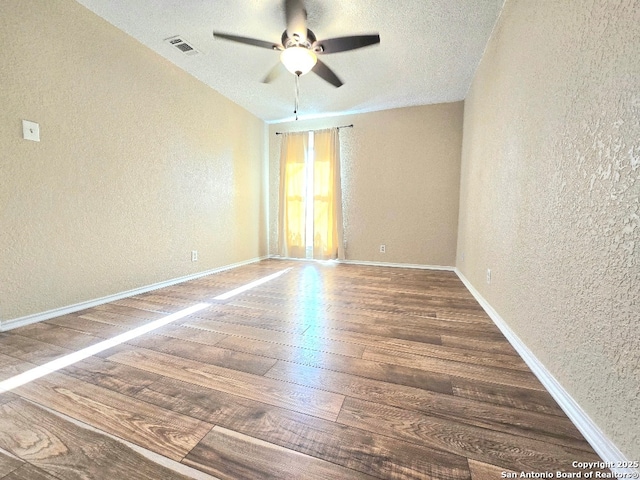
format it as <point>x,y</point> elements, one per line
<point>300,48</point>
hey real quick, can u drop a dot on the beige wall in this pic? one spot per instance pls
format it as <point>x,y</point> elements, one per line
<point>138,165</point>
<point>400,179</point>
<point>549,196</point>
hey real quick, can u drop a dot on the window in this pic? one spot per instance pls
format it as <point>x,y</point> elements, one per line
<point>310,216</point>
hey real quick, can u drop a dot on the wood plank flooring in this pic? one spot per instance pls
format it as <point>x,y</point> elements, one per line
<point>329,371</point>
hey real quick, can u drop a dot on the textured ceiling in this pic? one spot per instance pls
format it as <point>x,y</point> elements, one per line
<point>428,53</point>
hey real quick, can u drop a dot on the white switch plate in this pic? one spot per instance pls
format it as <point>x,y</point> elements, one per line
<point>30,130</point>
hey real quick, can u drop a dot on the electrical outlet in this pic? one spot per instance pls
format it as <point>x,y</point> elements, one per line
<point>489,276</point>
<point>194,255</point>
<point>462,256</point>
<point>383,249</point>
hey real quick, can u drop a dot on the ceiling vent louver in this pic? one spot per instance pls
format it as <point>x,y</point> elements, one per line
<point>183,45</point>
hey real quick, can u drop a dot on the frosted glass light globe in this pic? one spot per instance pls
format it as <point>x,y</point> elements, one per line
<point>298,60</point>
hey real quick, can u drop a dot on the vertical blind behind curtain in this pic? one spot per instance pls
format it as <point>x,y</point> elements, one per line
<point>327,195</point>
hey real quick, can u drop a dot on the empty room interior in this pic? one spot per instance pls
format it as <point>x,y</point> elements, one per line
<point>414,254</point>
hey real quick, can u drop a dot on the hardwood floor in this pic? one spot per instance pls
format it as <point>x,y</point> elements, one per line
<point>327,371</point>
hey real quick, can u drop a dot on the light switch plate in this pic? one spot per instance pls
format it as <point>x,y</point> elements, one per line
<point>30,130</point>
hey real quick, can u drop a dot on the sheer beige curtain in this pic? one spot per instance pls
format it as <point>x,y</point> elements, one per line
<point>327,196</point>
<point>291,216</point>
<point>310,196</point>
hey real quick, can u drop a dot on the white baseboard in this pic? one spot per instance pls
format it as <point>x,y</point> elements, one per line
<point>56,312</point>
<point>398,265</point>
<point>604,447</point>
<point>374,264</point>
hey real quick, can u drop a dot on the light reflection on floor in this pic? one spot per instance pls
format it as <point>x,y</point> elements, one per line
<point>309,288</point>
<point>311,309</point>
<point>67,360</point>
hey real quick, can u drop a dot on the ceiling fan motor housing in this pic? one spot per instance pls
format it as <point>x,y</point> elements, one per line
<point>297,41</point>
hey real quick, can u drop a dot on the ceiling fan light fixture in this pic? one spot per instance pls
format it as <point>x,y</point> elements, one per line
<point>298,60</point>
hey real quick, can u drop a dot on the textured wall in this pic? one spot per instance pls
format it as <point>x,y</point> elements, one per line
<point>139,164</point>
<point>549,196</point>
<point>400,179</point>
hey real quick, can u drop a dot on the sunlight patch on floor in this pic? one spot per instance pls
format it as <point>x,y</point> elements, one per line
<point>62,362</point>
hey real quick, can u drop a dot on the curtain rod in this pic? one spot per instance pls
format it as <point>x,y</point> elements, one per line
<point>342,126</point>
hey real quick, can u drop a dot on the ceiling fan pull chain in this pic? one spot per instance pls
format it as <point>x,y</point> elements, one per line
<point>297,104</point>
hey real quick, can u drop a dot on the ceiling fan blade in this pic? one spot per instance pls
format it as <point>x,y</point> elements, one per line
<point>248,41</point>
<point>274,73</point>
<point>326,74</point>
<point>342,44</point>
<point>296,16</point>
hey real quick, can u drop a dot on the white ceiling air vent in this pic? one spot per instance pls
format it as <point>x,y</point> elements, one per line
<point>181,44</point>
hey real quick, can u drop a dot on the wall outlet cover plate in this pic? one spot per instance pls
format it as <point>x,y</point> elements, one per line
<point>30,130</point>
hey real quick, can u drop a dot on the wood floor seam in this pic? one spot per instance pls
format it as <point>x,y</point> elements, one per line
<point>164,462</point>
